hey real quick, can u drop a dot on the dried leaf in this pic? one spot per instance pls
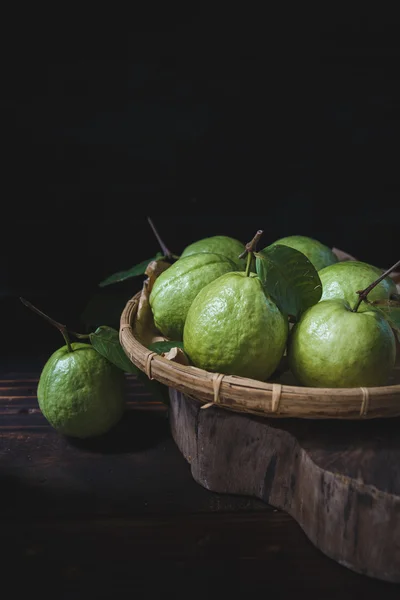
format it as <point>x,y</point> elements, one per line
<point>176,355</point>
<point>165,346</point>
<point>395,275</point>
<point>153,270</point>
<point>342,255</point>
<point>144,328</point>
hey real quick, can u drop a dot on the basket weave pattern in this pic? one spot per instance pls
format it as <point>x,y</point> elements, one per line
<point>267,399</point>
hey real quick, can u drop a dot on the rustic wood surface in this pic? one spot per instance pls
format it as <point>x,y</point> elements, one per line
<point>339,480</point>
<point>122,516</point>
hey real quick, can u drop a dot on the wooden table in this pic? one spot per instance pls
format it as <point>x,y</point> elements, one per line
<point>121,517</point>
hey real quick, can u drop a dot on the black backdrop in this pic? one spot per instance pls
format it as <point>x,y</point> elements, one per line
<point>303,139</point>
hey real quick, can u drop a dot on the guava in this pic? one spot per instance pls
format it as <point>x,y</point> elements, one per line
<point>233,327</point>
<point>219,244</point>
<point>317,253</point>
<point>176,288</point>
<point>81,393</point>
<point>344,279</point>
<point>332,346</point>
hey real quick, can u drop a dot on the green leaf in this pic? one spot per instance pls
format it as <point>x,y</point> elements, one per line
<point>106,341</point>
<point>105,306</point>
<point>166,346</point>
<point>390,310</point>
<point>132,272</point>
<point>289,278</point>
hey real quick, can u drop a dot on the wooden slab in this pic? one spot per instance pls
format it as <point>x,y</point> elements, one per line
<point>340,480</point>
<point>122,515</point>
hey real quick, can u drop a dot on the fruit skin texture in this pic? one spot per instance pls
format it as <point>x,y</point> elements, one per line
<point>343,279</point>
<point>219,244</point>
<point>232,327</point>
<point>175,289</point>
<point>80,393</point>
<point>317,253</point>
<point>331,346</point>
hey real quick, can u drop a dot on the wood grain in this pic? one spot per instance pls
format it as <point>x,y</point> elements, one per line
<point>109,475</point>
<point>151,557</point>
<point>123,516</point>
<point>339,480</point>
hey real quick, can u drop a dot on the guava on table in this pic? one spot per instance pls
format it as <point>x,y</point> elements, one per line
<point>344,279</point>
<point>81,393</point>
<point>332,346</point>
<point>175,289</point>
<point>233,327</point>
<point>317,253</point>
<point>219,244</point>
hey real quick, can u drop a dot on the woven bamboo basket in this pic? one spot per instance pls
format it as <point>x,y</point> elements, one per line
<point>275,398</point>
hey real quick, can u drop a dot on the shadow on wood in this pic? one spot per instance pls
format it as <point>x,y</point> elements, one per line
<point>136,431</point>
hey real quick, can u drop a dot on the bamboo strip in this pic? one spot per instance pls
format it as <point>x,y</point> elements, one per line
<point>240,394</point>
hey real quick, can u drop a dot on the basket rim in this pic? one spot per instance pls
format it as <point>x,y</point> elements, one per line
<point>155,365</point>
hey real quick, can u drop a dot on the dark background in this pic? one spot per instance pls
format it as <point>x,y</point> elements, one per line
<point>205,135</point>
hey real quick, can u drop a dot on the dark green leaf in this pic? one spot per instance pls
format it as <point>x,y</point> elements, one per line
<point>289,278</point>
<point>132,272</point>
<point>105,307</point>
<point>390,309</point>
<point>106,341</point>
<point>166,346</point>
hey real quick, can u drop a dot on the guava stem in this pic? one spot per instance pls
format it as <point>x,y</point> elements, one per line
<point>81,336</point>
<point>362,294</point>
<point>62,328</point>
<point>67,340</point>
<point>248,265</point>
<point>167,253</point>
<point>252,246</point>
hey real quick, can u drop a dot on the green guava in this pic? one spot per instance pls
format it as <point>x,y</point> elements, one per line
<point>233,327</point>
<point>175,289</point>
<point>344,279</point>
<point>80,393</point>
<point>332,346</point>
<point>317,253</point>
<point>219,244</point>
